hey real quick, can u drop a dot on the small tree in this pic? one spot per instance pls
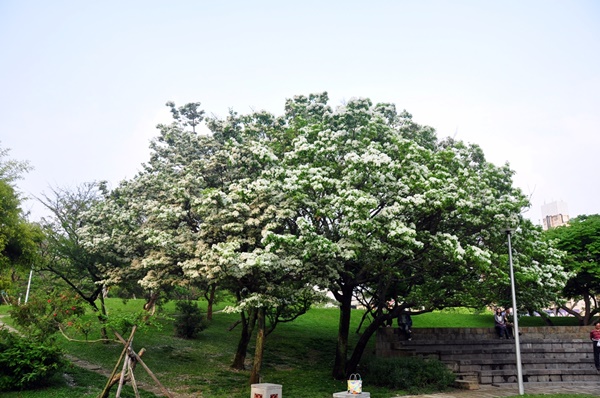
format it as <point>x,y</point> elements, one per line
<point>42,317</point>
<point>18,238</point>
<point>581,241</point>
<point>189,321</point>
<point>64,255</point>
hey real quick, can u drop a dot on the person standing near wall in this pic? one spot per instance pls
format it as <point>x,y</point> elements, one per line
<point>500,324</point>
<point>405,323</point>
<point>595,337</point>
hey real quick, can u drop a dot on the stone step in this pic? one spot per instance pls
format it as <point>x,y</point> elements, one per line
<point>547,354</point>
<point>539,375</point>
<point>525,356</point>
<point>497,353</point>
<point>466,380</point>
<point>564,347</point>
<point>537,371</point>
<point>558,332</point>
<point>491,343</point>
<point>512,367</point>
<point>494,349</point>
<point>466,384</point>
<point>474,367</point>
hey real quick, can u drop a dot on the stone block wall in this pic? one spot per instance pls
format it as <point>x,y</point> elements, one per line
<point>561,353</point>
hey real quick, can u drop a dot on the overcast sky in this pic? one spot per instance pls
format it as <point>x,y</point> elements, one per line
<point>83,84</point>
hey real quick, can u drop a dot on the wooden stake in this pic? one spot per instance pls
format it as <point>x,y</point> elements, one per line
<point>122,379</point>
<point>132,377</point>
<point>141,362</point>
<point>109,384</point>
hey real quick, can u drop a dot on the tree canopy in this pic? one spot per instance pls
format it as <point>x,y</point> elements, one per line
<point>358,200</point>
<point>18,238</point>
<point>580,239</point>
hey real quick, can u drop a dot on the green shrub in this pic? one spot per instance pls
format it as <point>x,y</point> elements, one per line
<point>412,374</point>
<point>41,317</point>
<point>26,363</point>
<point>189,321</point>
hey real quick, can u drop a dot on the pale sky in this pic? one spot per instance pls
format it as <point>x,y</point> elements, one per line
<point>83,84</point>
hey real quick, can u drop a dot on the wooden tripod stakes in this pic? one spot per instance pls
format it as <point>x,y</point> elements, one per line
<point>131,359</point>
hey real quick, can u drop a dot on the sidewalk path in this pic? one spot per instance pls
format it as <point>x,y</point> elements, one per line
<point>510,390</point>
<point>4,325</point>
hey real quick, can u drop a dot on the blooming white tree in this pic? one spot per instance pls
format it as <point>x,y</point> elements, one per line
<point>383,207</point>
<point>356,200</point>
<point>199,213</point>
<point>146,227</point>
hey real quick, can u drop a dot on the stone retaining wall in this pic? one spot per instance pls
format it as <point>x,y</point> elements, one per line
<point>557,353</point>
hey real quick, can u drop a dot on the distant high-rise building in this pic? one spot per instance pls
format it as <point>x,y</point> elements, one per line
<point>554,214</point>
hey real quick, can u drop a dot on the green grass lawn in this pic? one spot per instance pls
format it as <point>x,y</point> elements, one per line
<point>74,383</point>
<point>299,355</point>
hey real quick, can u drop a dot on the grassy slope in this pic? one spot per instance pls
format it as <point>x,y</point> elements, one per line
<point>299,355</point>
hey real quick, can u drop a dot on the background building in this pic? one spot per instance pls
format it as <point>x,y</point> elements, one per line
<point>554,214</point>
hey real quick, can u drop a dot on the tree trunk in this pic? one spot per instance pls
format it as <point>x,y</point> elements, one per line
<point>359,349</point>
<point>587,319</point>
<point>150,305</point>
<point>260,347</point>
<point>339,367</point>
<point>575,314</point>
<point>210,298</point>
<point>247,328</point>
<point>545,318</point>
<point>102,318</point>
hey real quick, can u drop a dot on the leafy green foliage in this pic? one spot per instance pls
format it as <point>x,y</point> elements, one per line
<point>413,374</point>
<point>187,115</point>
<point>64,256</point>
<point>18,239</point>
<point>539,272</point>
<point>189,321</point>
<point>124,321</point>
<point>41,317</point>
<point>581,241</point>
<point>10,169</point>
<point>25,362</point>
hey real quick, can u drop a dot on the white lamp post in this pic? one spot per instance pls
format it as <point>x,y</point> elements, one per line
<point>515,318</point>
<point>29,285</point>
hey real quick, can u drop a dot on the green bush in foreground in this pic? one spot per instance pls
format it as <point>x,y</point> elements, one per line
<point>26,363</point>
<point>411,374</point>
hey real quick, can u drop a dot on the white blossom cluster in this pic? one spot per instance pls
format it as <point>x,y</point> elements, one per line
<point>317,197</point>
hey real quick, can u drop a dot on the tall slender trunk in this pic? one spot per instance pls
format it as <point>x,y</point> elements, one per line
<point>210,298</point>
<point>588,309</point>
<point>339,367</point>
<point>102,318</point>
<point>248,323</point>
<point>260,347</point>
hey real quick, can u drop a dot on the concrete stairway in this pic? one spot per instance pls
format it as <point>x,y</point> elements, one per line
<point>477,355</point>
